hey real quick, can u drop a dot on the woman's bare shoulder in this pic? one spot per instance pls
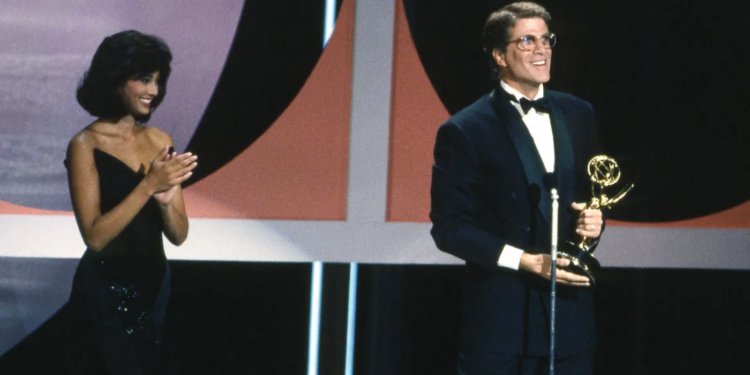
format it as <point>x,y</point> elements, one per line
<point>85,139</point>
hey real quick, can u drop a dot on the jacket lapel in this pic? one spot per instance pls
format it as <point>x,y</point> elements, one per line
<point>533,167</point>
<point>564,158</point>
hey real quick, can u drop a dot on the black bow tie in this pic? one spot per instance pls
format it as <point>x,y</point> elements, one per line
<point>541,105</point>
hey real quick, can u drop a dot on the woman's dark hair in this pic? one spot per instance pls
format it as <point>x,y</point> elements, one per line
<point>123,56</point>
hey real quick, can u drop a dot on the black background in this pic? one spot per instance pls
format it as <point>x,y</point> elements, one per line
<point>648,321</point>
<point>252,318</point>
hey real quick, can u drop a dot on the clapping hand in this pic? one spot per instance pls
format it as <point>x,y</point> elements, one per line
<point>168,171</point>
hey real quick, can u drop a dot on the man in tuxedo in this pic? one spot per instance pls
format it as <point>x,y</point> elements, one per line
<point>494,165</point>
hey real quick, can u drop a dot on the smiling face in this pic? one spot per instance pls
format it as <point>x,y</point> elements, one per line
<point>138,93</point>
<point>525,70</point>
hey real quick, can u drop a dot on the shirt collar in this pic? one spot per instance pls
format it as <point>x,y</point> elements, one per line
<point>518,95</point>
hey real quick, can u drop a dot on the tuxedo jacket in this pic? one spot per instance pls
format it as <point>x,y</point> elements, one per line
<point>488,190</point>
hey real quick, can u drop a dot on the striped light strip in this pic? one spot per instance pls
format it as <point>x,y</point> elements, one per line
<point>316,288</point>
<point>351,319</point>
<point>316,296</point>
<point>330,20</point>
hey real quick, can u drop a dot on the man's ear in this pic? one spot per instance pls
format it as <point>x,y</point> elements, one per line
<point>499,58</point>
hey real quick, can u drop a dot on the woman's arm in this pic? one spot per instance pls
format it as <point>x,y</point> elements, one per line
<point>96,229</point>
<point>170,201</point>
<point>174,217</point>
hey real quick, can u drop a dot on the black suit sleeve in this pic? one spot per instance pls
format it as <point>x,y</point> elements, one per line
<point>455,194</point>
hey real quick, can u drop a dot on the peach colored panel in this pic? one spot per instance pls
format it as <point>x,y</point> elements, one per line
<point>7,208</point>
<point>298,169</point>
<point>416,114</point>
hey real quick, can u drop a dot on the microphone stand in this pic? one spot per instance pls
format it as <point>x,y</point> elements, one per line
<point>553,279</point>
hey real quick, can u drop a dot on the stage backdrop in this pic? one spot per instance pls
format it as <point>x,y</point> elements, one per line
<point>310,153</point>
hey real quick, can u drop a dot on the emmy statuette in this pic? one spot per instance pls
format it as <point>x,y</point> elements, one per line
<point>603,172</point>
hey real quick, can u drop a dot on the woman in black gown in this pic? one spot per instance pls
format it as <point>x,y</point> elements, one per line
<point>125,187</point>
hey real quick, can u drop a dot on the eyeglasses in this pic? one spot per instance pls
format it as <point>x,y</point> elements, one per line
<point>528,42</point>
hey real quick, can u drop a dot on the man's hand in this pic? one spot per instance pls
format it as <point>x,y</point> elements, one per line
<point>589,221</point>
<point>540,264</point>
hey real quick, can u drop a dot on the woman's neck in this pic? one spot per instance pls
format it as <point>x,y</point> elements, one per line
<point>124,127</point>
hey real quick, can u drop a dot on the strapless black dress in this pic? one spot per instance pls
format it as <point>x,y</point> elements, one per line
<point>120,294</point>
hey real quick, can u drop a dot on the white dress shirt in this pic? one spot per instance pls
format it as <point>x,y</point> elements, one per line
<point>540,128</point>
